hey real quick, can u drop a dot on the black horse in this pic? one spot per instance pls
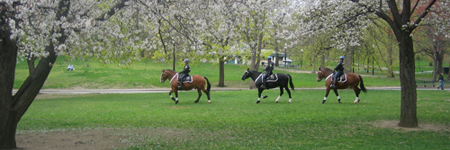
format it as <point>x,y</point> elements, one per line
<point>278,80</point>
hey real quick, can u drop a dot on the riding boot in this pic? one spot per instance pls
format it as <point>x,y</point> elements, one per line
<point>333,85</point>
<point>264,86</point>
<point>181,83</point>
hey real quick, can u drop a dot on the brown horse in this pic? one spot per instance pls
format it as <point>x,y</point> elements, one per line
<point>352,82</point>
<point>198,82</point>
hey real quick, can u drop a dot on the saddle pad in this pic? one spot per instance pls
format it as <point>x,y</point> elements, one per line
<point>273,78</point>
<point>188,79</point>
<point>342,78</point>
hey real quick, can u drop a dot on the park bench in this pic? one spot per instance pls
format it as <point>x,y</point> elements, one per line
<point>424,84</point>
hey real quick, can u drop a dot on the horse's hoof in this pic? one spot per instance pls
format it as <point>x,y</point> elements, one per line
<point>196,101</point>
<point>324,101</point>
<point>265,96</point>
<point>176,102</point>
<point>339,101</point>
<point>257,102</point>
<point>276,101</point>
<point>209,101</point>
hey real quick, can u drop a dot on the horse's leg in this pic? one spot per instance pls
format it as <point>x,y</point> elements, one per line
<point>207,94</point>
<point>357,91</point>
<point>289,92</point>
<point>199,95</point>
<point>326,95</point>
<point>170,95</point>
<point>337,95</point>
<point>260,90</point>
<point>281,94</point>
<point>176,96</point>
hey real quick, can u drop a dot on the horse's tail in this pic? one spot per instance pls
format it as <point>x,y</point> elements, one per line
<point>208,87</point>
<point>290,82</point>
<point>361,84</point>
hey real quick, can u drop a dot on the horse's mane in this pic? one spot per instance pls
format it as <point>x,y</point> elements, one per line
<point>327,69</point>
<point>255,71</point>
<point>169,70</point>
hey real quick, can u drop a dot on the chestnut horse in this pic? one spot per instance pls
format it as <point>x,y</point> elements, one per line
<point>352,82</point>
<point>198,82</point>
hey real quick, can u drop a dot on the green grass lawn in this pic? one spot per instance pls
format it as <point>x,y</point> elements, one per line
<point>234,121</point>
<point>146,74</point>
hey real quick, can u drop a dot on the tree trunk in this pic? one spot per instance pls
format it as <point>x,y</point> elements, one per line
<point>173,58</point>
<point>8,119</point>
<point>348,61</point>
<point>408,116</point>
<point>221,72</point>
<point>31,66</point>
<point>390,62</point>
<point>448,77</point>
<point>8,126</point>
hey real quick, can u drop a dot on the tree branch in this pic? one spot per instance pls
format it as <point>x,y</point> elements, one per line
<point>422,15</point>
<point>112,11</point>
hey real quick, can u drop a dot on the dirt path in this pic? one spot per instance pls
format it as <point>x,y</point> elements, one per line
<point>105,139</point>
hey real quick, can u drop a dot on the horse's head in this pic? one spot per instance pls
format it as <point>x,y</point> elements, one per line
<point>320,75</point>
<point>164,76</point>
<point>323,73</point>
<point>246,75</point>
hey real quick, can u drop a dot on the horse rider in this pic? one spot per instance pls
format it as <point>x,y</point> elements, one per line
<point>184,73</point>
<point>339,71</point>
<point>269,69</point>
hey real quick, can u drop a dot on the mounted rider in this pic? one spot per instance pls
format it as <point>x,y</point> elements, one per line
<point>269,69</point>
<point>339,71</point>
<point>184,73</point>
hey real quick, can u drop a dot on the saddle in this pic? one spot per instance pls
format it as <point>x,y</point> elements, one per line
<point>272,78</point>
<point>342,78</point>
<point>188,79</point>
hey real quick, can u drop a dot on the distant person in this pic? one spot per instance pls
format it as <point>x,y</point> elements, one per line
<point>269,69</point>
<point>339,71</point>
<point>441,79</point>
<point>184,73</point>
<point>70,67</point>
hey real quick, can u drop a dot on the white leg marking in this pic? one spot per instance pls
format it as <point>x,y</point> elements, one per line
<point>356,100</point>
<point>290,100</point>
<point>324,98</point>
<point>278,98</point>
<point>338,97</point>
<point>170,96</point>
<point>176,99</point>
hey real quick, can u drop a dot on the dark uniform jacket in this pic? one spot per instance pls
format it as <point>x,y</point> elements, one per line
<point>186,70</point>
<point>269,67</point>
<point>340,67</point>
